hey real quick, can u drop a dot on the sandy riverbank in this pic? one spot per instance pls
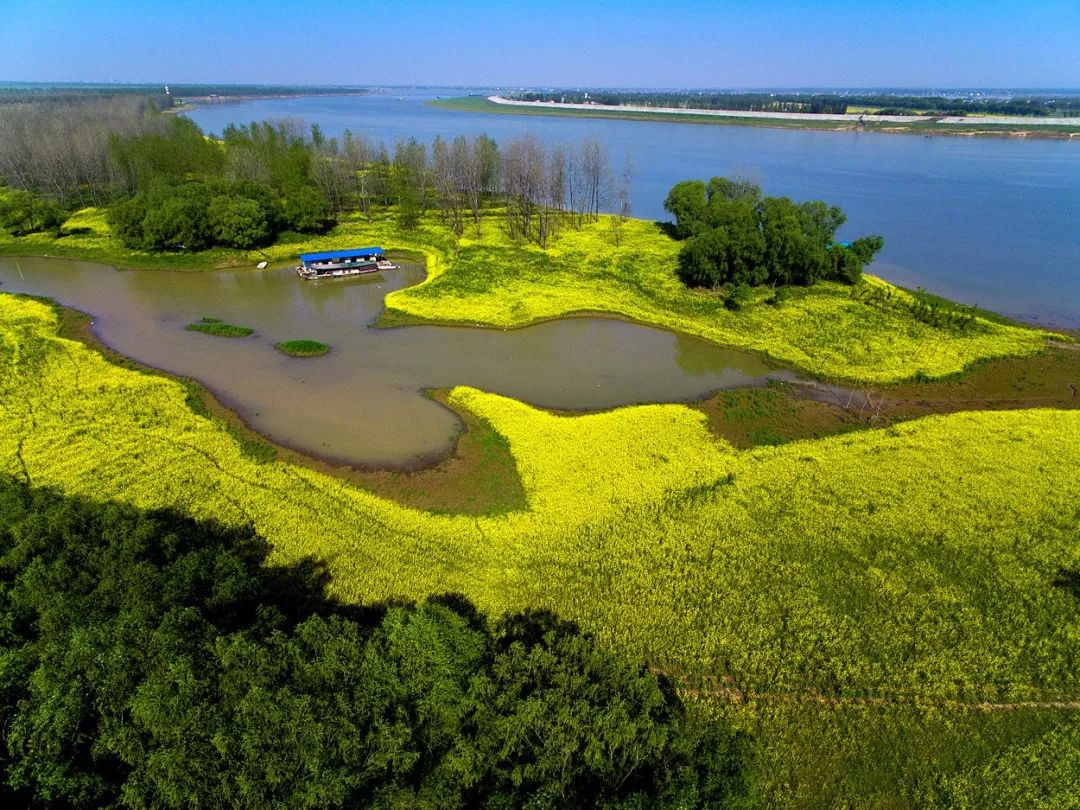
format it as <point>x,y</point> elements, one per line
<point>794,116</point>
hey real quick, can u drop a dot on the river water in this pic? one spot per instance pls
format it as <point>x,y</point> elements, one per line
<point>362,403</point>
<point>987,221</point>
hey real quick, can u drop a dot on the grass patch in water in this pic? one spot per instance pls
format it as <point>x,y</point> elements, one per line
<point>302,348</point>
<point>215,326</point>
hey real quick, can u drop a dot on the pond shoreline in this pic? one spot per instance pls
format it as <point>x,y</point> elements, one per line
<point>465,451</point>
<point>391,317</point>
<point>476,460</point>
<point>388,480</point>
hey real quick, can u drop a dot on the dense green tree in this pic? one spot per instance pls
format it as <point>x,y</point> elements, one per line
<point>174,155</point>
<point>269,202</point>
<point>408,174</point>
<point>270,153</point>
<point>700,258</point>
<point>306,209</point>
<point>849,260</point>
<point>237,222</point>
<point>564,740</point>
<point>792,254</point>
<point>178,218</point>
<point>820,221</point>
<point>239,214</point>
<point>736,227</point>
<point>738,296</point>
<point>732,189</point>
<point>686,202</point>
<point>126,217</point>
<point>738,237</point>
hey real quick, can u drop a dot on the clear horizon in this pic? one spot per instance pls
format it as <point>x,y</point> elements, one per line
<point>766,45</point>
<point>430,86</point>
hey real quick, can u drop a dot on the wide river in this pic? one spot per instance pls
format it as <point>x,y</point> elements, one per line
<point>362,403</point>
<point>987,221</point>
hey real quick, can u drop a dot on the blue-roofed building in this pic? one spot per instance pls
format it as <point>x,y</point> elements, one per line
<point>350,262</point>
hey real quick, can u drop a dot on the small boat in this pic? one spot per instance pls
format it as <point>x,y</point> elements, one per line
<point>261,265</point>
<point>343,263</point>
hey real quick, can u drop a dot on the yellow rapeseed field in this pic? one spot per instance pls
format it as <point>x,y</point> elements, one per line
<point>920,560</point>
<point>823,330</point>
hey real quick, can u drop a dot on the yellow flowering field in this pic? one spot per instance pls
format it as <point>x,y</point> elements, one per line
<point>925,560</point>
<point>824,330</point>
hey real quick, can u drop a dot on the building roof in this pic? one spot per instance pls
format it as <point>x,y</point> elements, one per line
<point>340,254</point>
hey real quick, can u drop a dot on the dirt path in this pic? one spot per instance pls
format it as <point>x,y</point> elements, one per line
<point>726,690</point>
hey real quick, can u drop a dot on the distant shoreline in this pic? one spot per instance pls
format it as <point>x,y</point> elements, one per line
<point>189,103</point>
<point>1011,127</point>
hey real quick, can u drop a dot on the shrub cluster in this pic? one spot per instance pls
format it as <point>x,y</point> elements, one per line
<point>924,307</point>
<point>196,215</point>
<point>22,212</point>
<point>736,236</point>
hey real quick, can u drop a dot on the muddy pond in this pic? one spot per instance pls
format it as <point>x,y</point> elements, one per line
<point>363,403</point>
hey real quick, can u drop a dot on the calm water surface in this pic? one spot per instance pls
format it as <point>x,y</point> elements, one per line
<point>988,221</point>
<point>362,402</point>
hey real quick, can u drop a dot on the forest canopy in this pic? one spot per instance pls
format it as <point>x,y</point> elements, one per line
<point>152,660</point>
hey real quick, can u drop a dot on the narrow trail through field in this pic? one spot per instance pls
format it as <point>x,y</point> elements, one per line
<point>726,690</point>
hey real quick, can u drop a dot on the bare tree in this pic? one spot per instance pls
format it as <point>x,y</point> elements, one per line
<point>622,199</point>
<point>475,171</point>
<point>594,165</point>
<point>329,170</point>
<point>553,196</point>
<point>523,184</point>
<point>574,193</point>
<point>447,186</point>
<point>379,176</point>
<point>356,154</point>
<point>62,148</point>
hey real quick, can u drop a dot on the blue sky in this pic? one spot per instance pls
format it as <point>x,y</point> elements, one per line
<point>550,42</point>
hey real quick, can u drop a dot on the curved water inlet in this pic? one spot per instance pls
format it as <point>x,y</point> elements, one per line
<point>363,402</point>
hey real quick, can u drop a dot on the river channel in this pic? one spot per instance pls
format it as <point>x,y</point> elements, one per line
<point>363,402</point>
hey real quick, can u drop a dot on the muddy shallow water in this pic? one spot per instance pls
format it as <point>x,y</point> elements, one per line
<point>362,403</point>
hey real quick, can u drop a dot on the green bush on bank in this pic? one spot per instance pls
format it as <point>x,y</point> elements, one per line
<point>22,212</point>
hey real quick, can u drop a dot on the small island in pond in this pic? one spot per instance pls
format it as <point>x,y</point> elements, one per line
<point>302,348</point>
<point>216,327</point>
